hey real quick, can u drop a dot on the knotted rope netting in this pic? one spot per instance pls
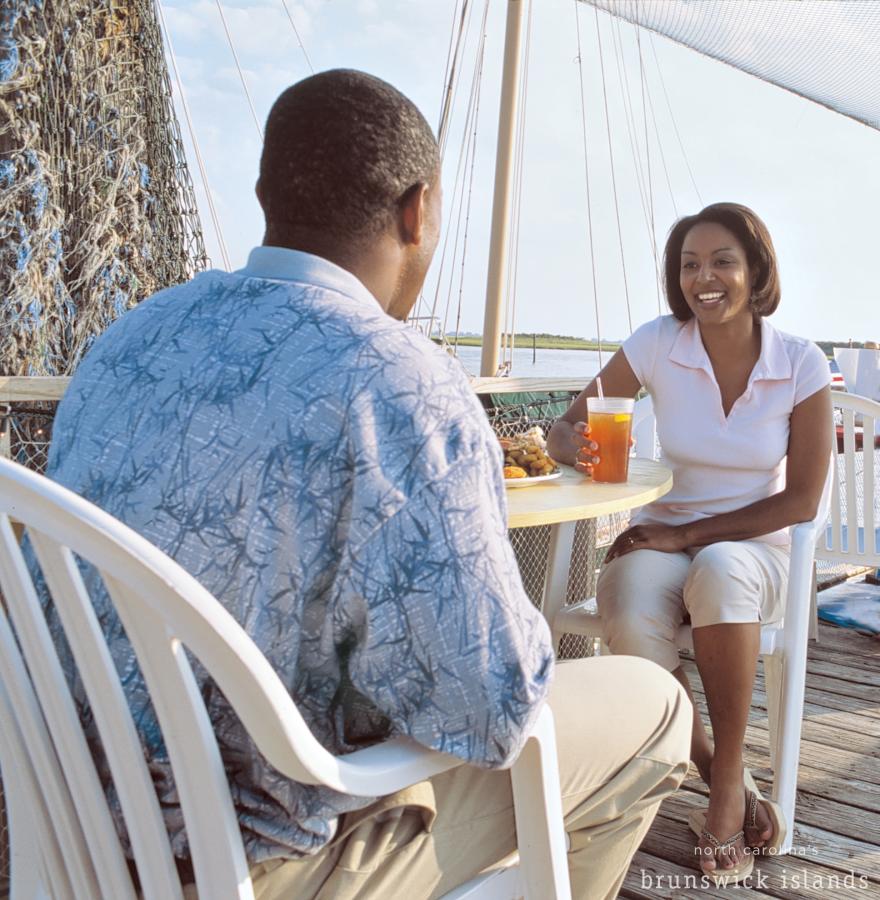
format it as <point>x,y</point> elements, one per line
<point>96,206</point>
<point>97,209</point>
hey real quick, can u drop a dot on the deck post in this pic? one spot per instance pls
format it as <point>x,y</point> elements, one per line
<point>498,245</point>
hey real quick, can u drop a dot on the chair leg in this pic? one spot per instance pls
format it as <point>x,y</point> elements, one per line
<point>814,609</point>
<point>773,686</point>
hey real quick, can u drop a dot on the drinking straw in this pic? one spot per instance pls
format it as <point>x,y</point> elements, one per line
<point>599,386</point>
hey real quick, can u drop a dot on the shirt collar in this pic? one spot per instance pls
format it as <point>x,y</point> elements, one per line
<point>773,364</point>
<point>285,264</point>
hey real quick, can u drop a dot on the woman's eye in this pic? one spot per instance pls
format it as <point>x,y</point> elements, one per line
<point>724,262</point>
<point>689,265</point>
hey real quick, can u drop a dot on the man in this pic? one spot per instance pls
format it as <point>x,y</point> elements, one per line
<point>328,474</point>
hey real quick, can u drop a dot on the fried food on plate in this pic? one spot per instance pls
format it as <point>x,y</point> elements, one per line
<point>515,472</point>
<point>527,452</point>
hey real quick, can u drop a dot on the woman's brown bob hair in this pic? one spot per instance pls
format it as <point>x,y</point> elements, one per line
<point>752,234</point>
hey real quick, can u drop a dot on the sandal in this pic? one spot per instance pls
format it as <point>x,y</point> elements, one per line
<point>735,874</point>
<point>697,817</point>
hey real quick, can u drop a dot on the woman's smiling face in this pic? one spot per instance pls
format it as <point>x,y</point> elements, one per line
<point>715,278</point>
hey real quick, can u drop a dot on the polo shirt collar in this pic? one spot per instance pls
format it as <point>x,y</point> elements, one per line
<point>285,264</point>
<point>773,364</point>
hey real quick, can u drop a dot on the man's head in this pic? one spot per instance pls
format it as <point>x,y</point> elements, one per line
<point>350,171</point>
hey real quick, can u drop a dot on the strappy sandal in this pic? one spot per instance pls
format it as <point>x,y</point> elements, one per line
<point>697,817</point>
<point>735,874</point>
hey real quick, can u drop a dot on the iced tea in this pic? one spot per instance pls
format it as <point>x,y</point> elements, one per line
<point>610,427</point>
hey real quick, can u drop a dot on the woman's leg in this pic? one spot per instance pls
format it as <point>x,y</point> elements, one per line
<point>639,596</point>
<point>731,588</point>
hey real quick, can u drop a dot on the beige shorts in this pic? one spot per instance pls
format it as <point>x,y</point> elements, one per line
<point>645,595</point>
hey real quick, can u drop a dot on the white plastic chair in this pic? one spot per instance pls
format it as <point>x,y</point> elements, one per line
<point>64,843</point>
<point>783,644</point>
<point>853,489</point>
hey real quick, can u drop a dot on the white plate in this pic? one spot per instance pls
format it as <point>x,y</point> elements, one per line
<point>534,479</point>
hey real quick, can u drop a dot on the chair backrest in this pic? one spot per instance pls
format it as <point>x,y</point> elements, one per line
<point>163,611</point>
<point>853,533</point>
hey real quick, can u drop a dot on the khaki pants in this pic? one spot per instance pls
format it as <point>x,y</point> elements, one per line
<point>644,596</point>
<point>623,731</point>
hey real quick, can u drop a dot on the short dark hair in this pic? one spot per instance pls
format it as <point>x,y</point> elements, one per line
<point>751,232</point>
<point>341,150</point>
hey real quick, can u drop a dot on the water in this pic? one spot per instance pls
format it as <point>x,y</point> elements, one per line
<point>577,364</point>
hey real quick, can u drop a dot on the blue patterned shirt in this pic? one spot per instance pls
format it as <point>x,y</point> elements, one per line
<point>328,474</point>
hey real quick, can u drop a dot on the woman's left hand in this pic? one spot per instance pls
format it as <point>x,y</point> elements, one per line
<point>665,538</point>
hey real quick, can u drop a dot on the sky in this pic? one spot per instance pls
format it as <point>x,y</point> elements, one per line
<point>706,133</point>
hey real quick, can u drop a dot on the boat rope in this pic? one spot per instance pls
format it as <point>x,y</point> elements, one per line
<point>468,146</point>
<point>478,79</point>
<point>447,103</point>
<point>302,46</point>
<point>613,175</point>
<point>518,169</point>
<point>672,117</point>
<point>97,209</point>
<point>247,93</point>
<point>653,229</point>
<point>200,162</point>
<point>449,76</point>
<point>587,179</point>
<point>629,116</point>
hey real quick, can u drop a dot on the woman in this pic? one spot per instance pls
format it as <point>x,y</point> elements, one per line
<point>742,415</point>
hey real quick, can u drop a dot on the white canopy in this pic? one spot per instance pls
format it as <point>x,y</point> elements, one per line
<point>825,50</point>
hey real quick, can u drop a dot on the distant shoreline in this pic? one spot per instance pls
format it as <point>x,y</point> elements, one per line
<point>540,342</point>
<point>564,342</point>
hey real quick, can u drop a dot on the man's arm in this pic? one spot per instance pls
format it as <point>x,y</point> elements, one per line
<point>444,639</point>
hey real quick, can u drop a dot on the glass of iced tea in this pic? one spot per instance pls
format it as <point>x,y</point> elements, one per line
<point>610,421</point>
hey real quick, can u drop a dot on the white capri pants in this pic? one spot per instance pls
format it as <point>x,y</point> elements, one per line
<point>645,595</point>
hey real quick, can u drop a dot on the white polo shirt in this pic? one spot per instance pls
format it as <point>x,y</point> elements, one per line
<point>720,463</point>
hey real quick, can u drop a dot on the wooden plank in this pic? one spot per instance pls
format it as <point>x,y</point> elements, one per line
<point>815,843</point>
<point>855,739</point>
<point>14,388</point>
<point>654,878</point>
<point>847,640</point>
<point>789,877</point>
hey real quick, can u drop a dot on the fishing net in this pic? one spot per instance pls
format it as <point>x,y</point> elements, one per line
<point>825,50</point>
<point>97,210</point>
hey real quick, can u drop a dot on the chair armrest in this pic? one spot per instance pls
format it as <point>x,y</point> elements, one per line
<point>537,801</point>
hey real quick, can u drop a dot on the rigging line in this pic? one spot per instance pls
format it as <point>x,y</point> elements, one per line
<point>672,116</point>
<point>215,219</point>
<point>660,148</point>
<point>587,178</point>
<point>449,73</point>
<point>464,30</point>
<point>648,158</point>
<point>519,168</point>
<point>613,176</point>
<point>476,92</point>
<point>456,201</point>
<point>629,118</point>
<point>462,160</point>
<point>302,46</point>
<point>467,216</point>
<point>240,72</point>
<point>446,103</point>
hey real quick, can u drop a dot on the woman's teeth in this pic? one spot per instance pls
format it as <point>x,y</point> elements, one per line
<point>707,298</point>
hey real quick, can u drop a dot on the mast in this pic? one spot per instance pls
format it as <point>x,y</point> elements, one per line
<point>499,242</point>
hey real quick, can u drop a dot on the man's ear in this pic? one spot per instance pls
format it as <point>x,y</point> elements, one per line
<point>258,190</point>
<point>412,213</point>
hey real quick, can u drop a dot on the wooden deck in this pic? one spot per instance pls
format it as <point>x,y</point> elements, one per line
<point>837,832</point>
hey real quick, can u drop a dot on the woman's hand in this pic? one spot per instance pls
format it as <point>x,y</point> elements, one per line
<point>665,538</point>
<point>586,450</point>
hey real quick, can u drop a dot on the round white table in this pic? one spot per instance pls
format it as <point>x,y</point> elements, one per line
<point>563,502</point>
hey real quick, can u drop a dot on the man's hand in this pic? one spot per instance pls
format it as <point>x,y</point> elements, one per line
<point>665,538</point>
<point>586,450</point>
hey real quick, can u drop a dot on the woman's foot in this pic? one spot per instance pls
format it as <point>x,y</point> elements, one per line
<point>724,821</point>
<point>758,826</point>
